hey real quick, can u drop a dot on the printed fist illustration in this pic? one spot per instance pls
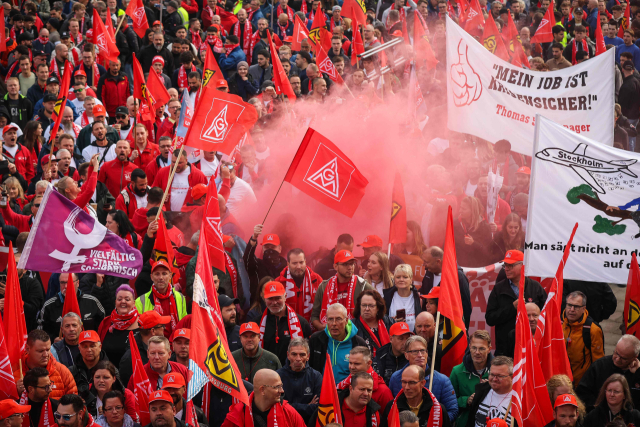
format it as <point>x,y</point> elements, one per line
<point>465,81</point>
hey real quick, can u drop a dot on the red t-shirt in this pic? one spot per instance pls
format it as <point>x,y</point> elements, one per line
<point>343,289</point>
<point>353,419</point>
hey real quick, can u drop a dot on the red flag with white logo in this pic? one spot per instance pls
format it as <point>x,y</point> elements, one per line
<point>141,385</point>
<point>7,381</point>
<point>325,173</point>
<point>544,32</point>
<point>220,121</point>
<point>142,93</point>
<point>139,17</point>
<point>156,89</point>
<point>212,229</point>
<point>300,32</point>
<point>15,326</point>
<point>326,66</point>
<point>474,18</point>
<point>107,49</point>
<point>280,79</point>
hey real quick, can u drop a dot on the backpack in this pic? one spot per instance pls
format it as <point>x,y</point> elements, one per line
<point>586,338</point>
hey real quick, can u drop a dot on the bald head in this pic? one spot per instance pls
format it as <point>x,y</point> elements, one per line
<point>265,377</point>
<point>425,325</point>
<point>533,312</point>
<point>267,389</point>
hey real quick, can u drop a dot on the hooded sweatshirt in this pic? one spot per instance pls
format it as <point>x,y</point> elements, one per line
<point>339,352</point>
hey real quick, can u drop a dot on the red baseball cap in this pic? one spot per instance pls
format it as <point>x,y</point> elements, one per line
<point>45,159</point>
<point>497,422</point>
<point>198,191</point>
<point>566,399</point>
<point>399,328</point>
<point>525,170</point>
<point>288,39</point>
<point>181,333</point>
<point>173,380</point>
<point>249,327</point>
<point>156,23</point>
<point>152,318</point>
<point>434,293</point>
<point>160,263</point>
<point>80,72</point>
<point>371,241</point>
<point>343,256</point>
<point>99,110</point>
<point>8,407</point>
<point>271,239</point>
<point>274,289</point>
<point>89,336</point>
<point>513,256</point>
<point>222,83</point>
<point>161,396</point>
<point>10,126</point>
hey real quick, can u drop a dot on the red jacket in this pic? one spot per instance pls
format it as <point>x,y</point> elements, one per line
<point>153,375</point>
<point>195,177</point>
<point>235,417</point>
<point>87,190</point>
<point>23,161</point>
<point>139,220</point>
<point>116,175</point>
<point>113,91</point>
<point>150,152</point>
<point>21,222</point>
<point>126,201</point>
<point>167,128</point>
<point>152,169</point>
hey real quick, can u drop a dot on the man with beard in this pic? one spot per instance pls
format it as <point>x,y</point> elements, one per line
<point>301,283</point>
<point>271,263</point>
<point>37,385</point>
<point>98,138</point>
<point>176,386</point>
<point>116,174</point>
<point>144,151</point>
<point>228,311</point>
<point>66,350</point>
<point>134,195</point>
<point>67,126</point>
<point>195,81</point>
<point>280,322</point>
<point>252,358</point>
<point>162,412</point>
<point>180,76</point>
<point>123,123</point>
<point>157,48</point>
<point>161,160</point>
<point>243,30</point>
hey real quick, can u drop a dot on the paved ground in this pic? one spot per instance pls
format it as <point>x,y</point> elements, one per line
<point>611,326</point>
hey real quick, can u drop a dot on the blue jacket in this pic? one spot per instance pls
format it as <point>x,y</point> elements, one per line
<point>256,16</point>
<point>442,390</point>
<point>229,64</point>
<point>633,50</point>
<point>592,19</point>
<point>300,388</point>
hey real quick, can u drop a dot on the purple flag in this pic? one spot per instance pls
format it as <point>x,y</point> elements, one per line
<point>66,239</point>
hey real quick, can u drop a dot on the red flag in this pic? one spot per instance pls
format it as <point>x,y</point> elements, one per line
<point>219,122</point>
<point>141,385</point>
<point>210,358</point>
<point>474,18</point>
<point>357,46</point>
<point>398,227</point>
<point>71,299</point>
<point>156,90</point>
<point>631,313</point>
<point>211,229</point>
<point>300,33</point>
<point>109,25</point>
<point>625,21</point>
<point>15,327</point>
<point>142,93</point>
<point>328,404</point>
<point>492,40</point>
<point>107,49</point>
<point>163,248</point>
<point>319,34</point>
<point>326,66</point>
<point>530,405</point>
<point>422,47</point>
<point>354,10</point>
<point>61,102</point>
<point>323,172</point>
<point>549,338</point>
<point>454,342</point>
<point>544,32</point>
<point>7,381</point>
<point>211,68</point>
<point>463,6</point>
<point>139,17</point>
<point>394,416</point>
<point>280,79</point>
<point>601,47</point>
<point>3,35</point>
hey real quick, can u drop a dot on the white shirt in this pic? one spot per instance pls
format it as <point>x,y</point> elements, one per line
<point>261,156</point>
<point>398,303</point>
<point>470,189</point>
<point>241,197</point>
<point>141,202</point>
<point>379,287</point>
<point>436,280</point>
<point>208,168</point>
<point>90,150</point>
<point>12,150</point>
<point>179,189</point>
<point>493,406</point>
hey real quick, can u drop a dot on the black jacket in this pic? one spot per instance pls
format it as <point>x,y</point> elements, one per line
<point>601,302</point>
<point>482,390</point>
<point>600,416</point>
<point>362,332</point>
<point>220,402</point>
<point>243,88</point>
<point>199,414</point>
<point>465,295</point>
<point>423,412</point>
<point>33,298</point>
<point>387,363</point>
<point>372,408</point>
<point>171,22</point>
<point>388,297</point>
<point>233,338</point>
<point>257,268</point>
<point>50,316</point>
<point>319,342</point>
<point>279,344</point>
<point>126,365</point>
<point>23,111</point>
<point>502,314</point>
<point>596,375</point>
<point>83,375</point>
<point>300,388</point>
<point>149,52</point>
<point>476,254</point>
<point>66,354</point>
<point>106,293</point>
<point>629,97</point>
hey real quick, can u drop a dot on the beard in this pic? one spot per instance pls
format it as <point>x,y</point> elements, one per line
<point>140,192</point>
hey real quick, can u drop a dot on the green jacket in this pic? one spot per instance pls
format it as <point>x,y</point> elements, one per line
<point>464,380</point>
<point>144,303</point>
<point>248,366</point>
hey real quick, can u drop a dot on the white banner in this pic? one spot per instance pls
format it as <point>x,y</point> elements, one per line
<point>492,99</point>
<point>575,179</point>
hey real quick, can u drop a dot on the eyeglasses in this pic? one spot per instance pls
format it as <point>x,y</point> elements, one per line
<point>510,266</point>
<point>65,417</point>
<point>574,307</point>
<point>275,387</point>
<point>37,205</point>
<point>113,408</point>
<point>614,392</point>
<point>16,415</point>
<point>335,319</point>
<point>416,352</point>
<point>65,281</point>
<point>409,383</point>
<point>615,353</point>
<point>121,116</point>
<point>45,388</point>
<point>500,377</point>
<point>477,349</point>
<point>369,306</point>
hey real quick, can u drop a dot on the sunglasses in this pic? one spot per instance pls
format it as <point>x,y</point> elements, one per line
<point>120,116</point>
<point>65,417</point>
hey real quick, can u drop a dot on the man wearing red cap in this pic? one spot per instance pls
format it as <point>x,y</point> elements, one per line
<point>503,300</point>
<point>280,323</point>
<point>343,288</point>
<point>523,178</point>
<point>162,297</point>
<point>301,283</point>
<point>565,412</point>
<point>252,357</point>
<point>162,412</point>
<point>90,354</point>
<point>390,357</point>
<point>176,386</point>
<point>17,153</point>
<point>272,262</point>
<point>11,413</point>
<point>180,346</point>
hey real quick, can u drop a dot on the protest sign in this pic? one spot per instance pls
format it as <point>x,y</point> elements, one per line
<point>575,179</point>
<point>66,239</point>
<point>481,282</point>
<point>492,99</point>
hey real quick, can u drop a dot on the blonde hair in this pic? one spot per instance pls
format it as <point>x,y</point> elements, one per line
<point>414,227</point>
<point>564,381</point>
<point>404,268</point>
<point>476,212</point>
<point>13,182</point>
<point>385,274</point>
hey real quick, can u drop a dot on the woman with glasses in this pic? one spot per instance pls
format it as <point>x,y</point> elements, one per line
<point>370,319</point>
<point>472,234</point>
<point>105,380</point>
<point>113,411</point>
<point>114,329</point>
<point>614,401</point>
<point>403,300</point>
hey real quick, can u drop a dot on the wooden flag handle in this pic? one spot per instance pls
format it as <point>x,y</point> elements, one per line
<point>166,191</point>
<point>20,365</point>
<point>506,414</point>
<point>435,346</point>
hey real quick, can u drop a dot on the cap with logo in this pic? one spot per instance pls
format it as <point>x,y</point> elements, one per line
<point>371,241</point>
<point>89,336</point>
<point>343,256</point>
<point>49,97</point>
<point>64,35</point>
<point>513,256</point>
<point>160,263</point>
<point>249,327</point>
<point>221,83</point>
<point>8,407</point>
<point>53,80</point>
<point>79,72</point>
<point>173,380</point>
<point>122,110</point>
<point>271,239</point>
<point>99,110</point>
<point>198,191</point>
<point>45,159</point>
<point>524,170</point>
<point>399,328</point>
<point>225,301</point>
<point>181,333</point>
<point>566,399</point>
<point>157,59</point>
<point>10,127</point>
<point>434,293</point>
<point>497,422</point>
<point>274,289</point>
<point>160,396</point>
<point>151,319</point>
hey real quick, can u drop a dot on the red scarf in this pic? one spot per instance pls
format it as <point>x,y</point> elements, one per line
<point>46,416</point>
<point>435,415</point>
<point>246,38</point>
<point>216,43</point>
<point>303,303</point>
<point>12,69</point>
<point>84,120</point>
<point>304,8</point>
<point>402,12</point>
<point>183,82</point>
<point>345,383</point>
<point>331,297</point>
<point>289,11</point>
<point>196,39</point>
<point>54,68</point>
<point>229,49</point>
<point>295,330</point>
<point>283,30</point>
<point>77,39</point>
<point>233,273</point>
<point>255,38</point>
<point>42,40</point>
<point>332,24</point>
<point>124,321</point>
<point>167,298</point>
<point>81,26</point>
<point>574,50</point>
<point>382,331</point>
<point>250,14</point>
<point>13,35</point>
<point>276,417</point>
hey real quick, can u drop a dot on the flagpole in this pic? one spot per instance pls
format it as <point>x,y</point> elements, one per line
<point>506,414</point>
<point>272,202</point>
<point>389,251</point>
<point>120,24</point>
<point>166,190</point>
<point>435,345</point>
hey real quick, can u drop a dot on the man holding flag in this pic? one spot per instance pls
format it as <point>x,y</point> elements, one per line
<point>492,399</point>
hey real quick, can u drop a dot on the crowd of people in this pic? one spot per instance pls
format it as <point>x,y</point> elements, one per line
<point>286,305</point>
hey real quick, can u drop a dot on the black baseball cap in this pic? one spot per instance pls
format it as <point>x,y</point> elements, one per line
<point>52,80</point>
<point>49,97</point>
<point>122,110</point>
<point>37,52</point>
<point>628,65</point>
<point>225,301</point>
<point>64,35</point>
